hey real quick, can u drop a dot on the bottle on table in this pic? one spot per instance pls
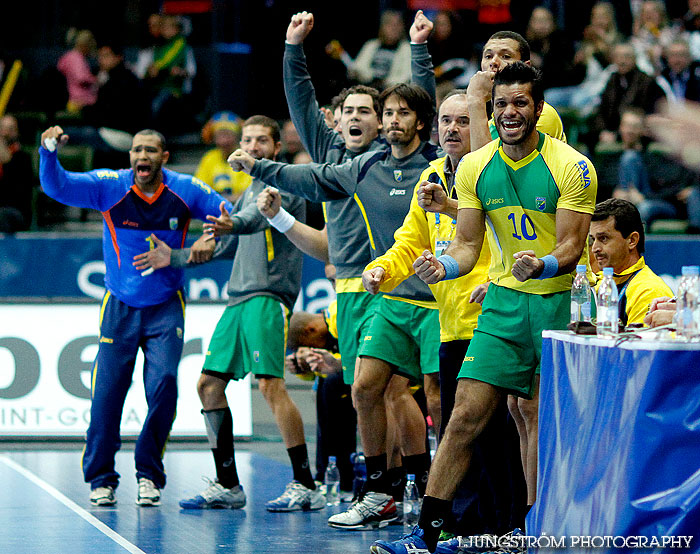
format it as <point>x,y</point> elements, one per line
<point>607,306</point>
<point>581,296</point>
<point>332,482</point>
<point>411,503</point>
<point>687,303</point>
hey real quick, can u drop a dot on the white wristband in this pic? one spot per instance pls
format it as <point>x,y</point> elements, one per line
<point>283,221</point>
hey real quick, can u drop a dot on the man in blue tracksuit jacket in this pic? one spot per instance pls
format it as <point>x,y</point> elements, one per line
<point>142,207</point>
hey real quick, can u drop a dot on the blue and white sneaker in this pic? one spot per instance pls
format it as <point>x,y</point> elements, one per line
<point>216,497</point>
<point>412,543</point>
<point>297,497</point>
<point>450,546</point>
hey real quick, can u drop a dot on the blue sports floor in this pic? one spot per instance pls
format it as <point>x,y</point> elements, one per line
<point>44,509</point>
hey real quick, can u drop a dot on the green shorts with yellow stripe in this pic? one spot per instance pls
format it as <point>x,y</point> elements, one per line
<point>355,312</point>
<point>507,344</point>
<point>405,336</point>
<point>250,337</point>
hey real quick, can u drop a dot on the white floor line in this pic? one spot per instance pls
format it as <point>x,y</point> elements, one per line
<point>87,516</point>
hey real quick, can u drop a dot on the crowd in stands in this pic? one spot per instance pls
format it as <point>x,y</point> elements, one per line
<point>607,65</point>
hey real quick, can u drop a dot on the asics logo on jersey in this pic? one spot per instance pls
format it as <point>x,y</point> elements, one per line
<point>585,174</point>
<point>397,192</point>
<point>107,175</point>
<point>492,201</point>
<point>469,359</point>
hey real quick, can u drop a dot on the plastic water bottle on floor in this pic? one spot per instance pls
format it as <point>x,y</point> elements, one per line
<point>607,319</point>
<point>332,483</point>
<point>411,503</point>
<point>687,304</point>
<point>360,469</point>
<point>581,296</point>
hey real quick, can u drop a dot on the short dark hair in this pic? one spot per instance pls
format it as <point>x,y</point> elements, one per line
<point>418,100</point>
<point>520,72</point>
<point>627,218</point>
<point>361,89</point>
<point>523,46</point>
<point>297,331</point>
<point>151,132</point>
<point>265,122</point>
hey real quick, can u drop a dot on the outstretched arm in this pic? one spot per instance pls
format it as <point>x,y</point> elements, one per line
<point>478,94</point>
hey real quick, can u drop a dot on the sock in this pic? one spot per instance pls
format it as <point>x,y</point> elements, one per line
<point>377,480</point>
<point>418,465</point>
<point>219,425</point>
<point>433,516</point>
<point>299,457</point>
<point>397,481</point>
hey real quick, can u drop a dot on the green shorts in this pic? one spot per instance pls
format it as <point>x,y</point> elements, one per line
<point>507,344</point>
<point>250,337</point>
<point>355,311</point>
<point>406,336</point>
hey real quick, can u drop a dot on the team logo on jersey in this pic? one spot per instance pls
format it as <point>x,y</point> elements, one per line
<point>179,332</point>
<point>256,356</point>
<point>173,223</point>
<point>540,203</point>
<point>397,192</point>
<point>398,175</point>
<point>585,174</point>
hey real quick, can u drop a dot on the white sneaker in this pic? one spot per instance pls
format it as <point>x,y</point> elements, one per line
<point>149,494</point>
<point>374,510</point>
<point>216,496</point>
<point>102,496</point>
<point>297,497</point>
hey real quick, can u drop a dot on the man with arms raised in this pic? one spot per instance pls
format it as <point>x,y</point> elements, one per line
<point>537,195</point>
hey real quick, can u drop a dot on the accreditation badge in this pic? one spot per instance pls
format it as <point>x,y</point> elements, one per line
<point>441,246</point>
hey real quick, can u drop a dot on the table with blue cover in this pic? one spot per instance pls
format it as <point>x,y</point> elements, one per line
<point>619,439</point>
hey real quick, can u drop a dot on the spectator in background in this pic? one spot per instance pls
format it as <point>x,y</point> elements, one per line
<point>550,50</point>
<point>453,57</point>
<point>592,65</point>
<point>291,143</point>
<point>675,197</point>
<point>168,70</point>
<point>16,179</point>
<point>651,33</point>
<point>121,103</point>
<point>690,23</point>
<point>680,72</point>
<point>75,66</point>
<point>627,86</point>
<point>382,61</point>
<point>224,130</point>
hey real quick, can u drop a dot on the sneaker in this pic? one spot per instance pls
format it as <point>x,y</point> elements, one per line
<point>216,496</point>
<point>102,496</point>
<point>448,546</point>
<point>297,497</point>
<point>373,510</point>
<point>149,494</point>
<point>412,543</point>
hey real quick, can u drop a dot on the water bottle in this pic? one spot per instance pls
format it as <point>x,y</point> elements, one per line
<point>332,483</point>
<point>360,470</point>
<point>607,319</point>
<point>581,296</point>
<point>411,503</point>
<point>687,304</point>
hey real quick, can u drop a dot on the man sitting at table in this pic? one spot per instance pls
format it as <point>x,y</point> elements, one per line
<point>618,242</point>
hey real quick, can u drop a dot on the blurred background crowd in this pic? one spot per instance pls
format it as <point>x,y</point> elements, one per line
<point>193,69</point>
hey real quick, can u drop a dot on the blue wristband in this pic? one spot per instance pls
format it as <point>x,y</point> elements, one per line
<point>451,266</point>
<point>551,266</point>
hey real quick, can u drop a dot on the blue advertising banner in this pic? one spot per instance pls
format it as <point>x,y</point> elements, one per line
<point>56,265</point>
